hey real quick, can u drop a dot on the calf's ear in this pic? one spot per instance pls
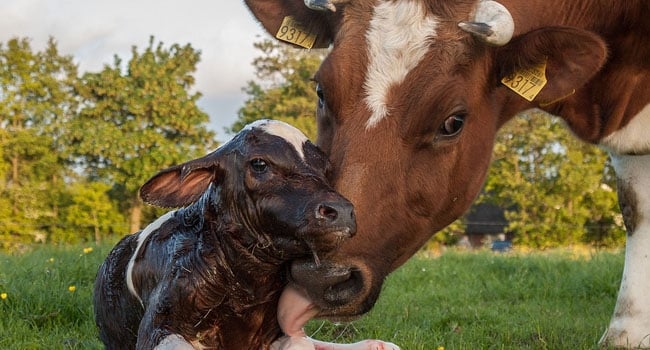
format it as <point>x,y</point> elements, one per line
<point>183,184</point>
<point>572,56</point>
<point>304,22</point>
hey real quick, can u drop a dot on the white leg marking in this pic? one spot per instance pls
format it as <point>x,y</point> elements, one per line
<point>633,138</point>
<point>281,129</point>
<point>142,237</point>
<point>630,324</point>
<point>398,39</point>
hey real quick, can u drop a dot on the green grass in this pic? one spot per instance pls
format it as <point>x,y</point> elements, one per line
<point>40,311</point>
<point>456,301</point>
<point>487,301</point>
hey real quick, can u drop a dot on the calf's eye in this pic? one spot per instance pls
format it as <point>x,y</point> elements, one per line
<point>452,125</point>
<point>259,165</point>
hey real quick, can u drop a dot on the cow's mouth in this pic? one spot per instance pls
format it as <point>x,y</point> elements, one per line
<point>341,292</point>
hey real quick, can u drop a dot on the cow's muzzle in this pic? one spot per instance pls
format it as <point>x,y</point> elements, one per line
<point>341,291</point>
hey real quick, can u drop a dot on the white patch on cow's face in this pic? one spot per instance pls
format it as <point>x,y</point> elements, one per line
<point>291,134</point>
<point>398,38</point>
<point>633,138</point>
<point>142,237</point>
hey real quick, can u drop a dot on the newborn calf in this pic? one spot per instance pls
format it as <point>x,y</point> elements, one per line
<point>210,275</point>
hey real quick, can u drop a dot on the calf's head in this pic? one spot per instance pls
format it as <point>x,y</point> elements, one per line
<point>269,180</point>
<point>410,99</point>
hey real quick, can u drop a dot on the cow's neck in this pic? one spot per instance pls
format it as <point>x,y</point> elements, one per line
<point>620,93</point>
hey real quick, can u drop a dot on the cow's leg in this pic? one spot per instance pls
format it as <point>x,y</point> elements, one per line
<point>630,324</point>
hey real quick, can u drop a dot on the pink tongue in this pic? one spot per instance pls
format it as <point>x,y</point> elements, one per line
<point>294,311</point>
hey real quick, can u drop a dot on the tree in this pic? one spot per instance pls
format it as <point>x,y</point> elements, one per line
<point>88,214</point>
<point>139,119</point>
<point>285,91</point>
<point>36,101</point>
<point>556,188</point>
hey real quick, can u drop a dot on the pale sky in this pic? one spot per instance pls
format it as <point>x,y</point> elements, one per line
<point>93,31</point>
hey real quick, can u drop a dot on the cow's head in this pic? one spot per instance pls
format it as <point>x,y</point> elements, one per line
<point>410,99</point>
<point>270,182</point>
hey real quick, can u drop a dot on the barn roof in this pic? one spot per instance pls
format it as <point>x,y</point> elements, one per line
<point>485,218</point>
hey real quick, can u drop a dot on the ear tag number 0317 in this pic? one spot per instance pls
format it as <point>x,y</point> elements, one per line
<point>527,83</point>
<point>293,32</point>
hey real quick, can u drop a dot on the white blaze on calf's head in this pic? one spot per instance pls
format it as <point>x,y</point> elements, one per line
<point>291,134</point>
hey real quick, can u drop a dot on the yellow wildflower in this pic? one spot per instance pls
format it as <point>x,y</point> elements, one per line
<point>71,289</point>
<point>51,260</point>
<point>441,348</point>
<point>88,250</point>
<point>3,296</point>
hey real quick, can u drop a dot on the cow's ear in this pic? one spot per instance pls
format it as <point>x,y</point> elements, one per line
<point>569,57</point>
<point>183,184</point>
<point>293,22</point>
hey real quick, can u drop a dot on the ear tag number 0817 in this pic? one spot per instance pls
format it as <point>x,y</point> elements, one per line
<point>293,32</point>
<point>527,83</point>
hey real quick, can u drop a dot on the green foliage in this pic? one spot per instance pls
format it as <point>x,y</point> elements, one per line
<point>89,214</point>
<point>74,151</point>
<point>285,91</point>
<point>35,103</point>
<point>139,121</point>
<point>554,187</point>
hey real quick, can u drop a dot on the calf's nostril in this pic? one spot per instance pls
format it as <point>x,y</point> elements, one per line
<point>327,212</point>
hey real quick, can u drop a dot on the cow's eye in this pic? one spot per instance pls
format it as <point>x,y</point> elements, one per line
<point>452,125</point>
<point>321,96</point>
<point>259,165</point>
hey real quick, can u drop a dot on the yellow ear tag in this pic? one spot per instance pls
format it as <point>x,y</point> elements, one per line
<point>527,83</point>
<point>293,32</point>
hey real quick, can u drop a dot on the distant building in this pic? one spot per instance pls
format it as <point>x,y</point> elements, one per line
<point>486,223</point>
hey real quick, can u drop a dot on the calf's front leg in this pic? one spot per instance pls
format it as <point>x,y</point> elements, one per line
<point>174,342</point>
<point>151,333</point>
<point>306,343</point>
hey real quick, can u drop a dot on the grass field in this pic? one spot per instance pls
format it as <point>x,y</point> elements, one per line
<point>456,301</point>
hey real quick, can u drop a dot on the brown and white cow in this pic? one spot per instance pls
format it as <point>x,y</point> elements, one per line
<point>412,94</point>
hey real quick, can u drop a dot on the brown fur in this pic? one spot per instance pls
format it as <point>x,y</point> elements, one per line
<point>407,181</point>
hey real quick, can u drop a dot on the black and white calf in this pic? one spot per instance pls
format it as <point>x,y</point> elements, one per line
<point>210,275</point>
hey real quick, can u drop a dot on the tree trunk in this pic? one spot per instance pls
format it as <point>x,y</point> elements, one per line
<point>136,216</point>
<point>14,184</point>
<point>96,227</point>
